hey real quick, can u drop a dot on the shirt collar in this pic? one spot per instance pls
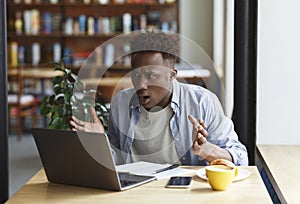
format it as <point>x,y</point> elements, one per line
<point>175,95</point>
<point>134,102</point>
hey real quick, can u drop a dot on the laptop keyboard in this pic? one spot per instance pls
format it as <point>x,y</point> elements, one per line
<point>131,179</point>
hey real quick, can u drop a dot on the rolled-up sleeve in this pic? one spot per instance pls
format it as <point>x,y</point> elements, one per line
<point>221,133</point>
<point>239,156</point>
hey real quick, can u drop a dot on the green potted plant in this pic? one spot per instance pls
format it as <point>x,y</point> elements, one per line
<point>70,97</point>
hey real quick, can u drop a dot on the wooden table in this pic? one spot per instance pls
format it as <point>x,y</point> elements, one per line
<point>250,190</point>
<point>282,164</point>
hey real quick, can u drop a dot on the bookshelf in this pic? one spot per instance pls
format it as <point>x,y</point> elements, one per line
<point>42,31</point>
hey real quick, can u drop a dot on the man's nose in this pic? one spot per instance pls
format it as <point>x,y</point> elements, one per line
<point>143,83</point>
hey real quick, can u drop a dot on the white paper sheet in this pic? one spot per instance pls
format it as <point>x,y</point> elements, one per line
<point>149,169</point>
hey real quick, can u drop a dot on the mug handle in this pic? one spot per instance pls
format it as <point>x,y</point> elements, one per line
<point>236,173</point>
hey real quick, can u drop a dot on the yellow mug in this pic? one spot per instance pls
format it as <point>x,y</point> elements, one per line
<point>220,176</point>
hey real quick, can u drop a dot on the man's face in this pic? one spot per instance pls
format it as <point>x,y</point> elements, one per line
<point>152,77</point>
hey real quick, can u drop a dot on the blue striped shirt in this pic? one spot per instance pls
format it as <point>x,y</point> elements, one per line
<point>186,99</point>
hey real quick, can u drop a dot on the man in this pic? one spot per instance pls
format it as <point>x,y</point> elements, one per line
<point>155,120</point>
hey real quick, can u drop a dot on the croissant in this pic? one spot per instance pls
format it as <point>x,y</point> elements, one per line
<point>222,162</point>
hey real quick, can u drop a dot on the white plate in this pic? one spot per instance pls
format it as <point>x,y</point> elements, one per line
<point>243,173</point>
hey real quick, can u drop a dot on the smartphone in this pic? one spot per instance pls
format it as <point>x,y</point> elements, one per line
<point>179,182</point>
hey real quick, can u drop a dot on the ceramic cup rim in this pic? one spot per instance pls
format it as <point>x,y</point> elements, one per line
<point>219,168</point>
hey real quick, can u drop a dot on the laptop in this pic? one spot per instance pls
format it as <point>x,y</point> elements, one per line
<point>82,159</point>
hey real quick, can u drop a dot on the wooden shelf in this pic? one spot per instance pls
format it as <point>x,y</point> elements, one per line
<point>111,4</point>
<point>60,35</point>
<point>33,5</point>
<point>79,42</point>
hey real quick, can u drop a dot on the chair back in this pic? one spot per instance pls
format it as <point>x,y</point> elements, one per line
<point>20,104</point>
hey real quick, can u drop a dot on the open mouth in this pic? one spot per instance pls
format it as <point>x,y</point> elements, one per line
<point>144,99</point>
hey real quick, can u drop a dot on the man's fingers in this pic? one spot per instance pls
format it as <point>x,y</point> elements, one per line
<point>76,120</point>
<point>192,119</point>
<point>77,124</point>
<point>199,126</point>
<point>203,131</point>
<point>93,113</point>
<point>202,123</point>
<point>74,124</point>
<point>194,122</point>
<point>200,139</point>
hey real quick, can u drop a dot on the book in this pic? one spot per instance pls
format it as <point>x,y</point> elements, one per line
<point>68,26</point>
<point>36,54</point>
<point>56,23</point>
<point>127,19</point>
<point>14,53</point>
<point>56,52</point>
<point>109,55</point>
<point>27,21</point>
<point>47,23</point>
<point>82,24</point>
<point>19,23</point>
<point>21,55</point>
<point>91,25</point>
<point>35,22</point>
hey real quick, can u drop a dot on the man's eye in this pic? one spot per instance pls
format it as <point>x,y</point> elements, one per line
<point>136,74</point>
<point>150,76</point>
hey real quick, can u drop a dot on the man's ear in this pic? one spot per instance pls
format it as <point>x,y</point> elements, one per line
<point>173,73</point>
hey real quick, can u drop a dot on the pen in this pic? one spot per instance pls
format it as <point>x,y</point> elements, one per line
<point>166,169</point>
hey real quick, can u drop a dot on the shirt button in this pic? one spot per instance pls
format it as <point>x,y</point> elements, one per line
<point>177,139</point>
<point>183,158</point>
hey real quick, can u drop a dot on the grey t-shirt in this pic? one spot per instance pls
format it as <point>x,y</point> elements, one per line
<point>153,141</point>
